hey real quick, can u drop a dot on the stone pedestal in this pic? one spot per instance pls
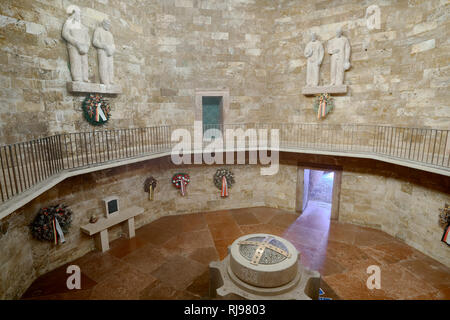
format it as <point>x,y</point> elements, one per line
<point>87,87</point>
<point>273,272</point>
<point>324,89</point>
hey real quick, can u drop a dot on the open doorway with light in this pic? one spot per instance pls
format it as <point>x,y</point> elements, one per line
<point>318,191</point>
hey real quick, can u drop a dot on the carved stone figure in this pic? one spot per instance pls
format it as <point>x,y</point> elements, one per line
<point>78,43</point>
<point>104,42</point>
<point>373,20</point>
<point>339,49</point>
<point>314,54</point>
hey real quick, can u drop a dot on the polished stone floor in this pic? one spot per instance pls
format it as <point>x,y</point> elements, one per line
<point>168,258</point>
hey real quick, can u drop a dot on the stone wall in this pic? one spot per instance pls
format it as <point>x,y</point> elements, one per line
<point>403,203</point>
<point>400,201</point>
<point>24,258</point>
<point>314,178</point>
<point>165,50</point>
<point>306,183</point>
<point>399,74</point>
<point>168,48</point>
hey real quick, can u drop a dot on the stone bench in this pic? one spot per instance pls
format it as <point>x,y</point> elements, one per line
<point>100,228</point>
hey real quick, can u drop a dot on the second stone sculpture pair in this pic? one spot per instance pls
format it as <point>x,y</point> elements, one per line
<point>338,48</point>
<point>78,43</point>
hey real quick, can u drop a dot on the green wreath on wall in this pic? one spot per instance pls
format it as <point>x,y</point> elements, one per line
<point>96,109</point>
<point>220,173</point>
<point>43,226</point>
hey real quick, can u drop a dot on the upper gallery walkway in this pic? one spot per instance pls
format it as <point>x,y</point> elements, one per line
<point>30,168</point>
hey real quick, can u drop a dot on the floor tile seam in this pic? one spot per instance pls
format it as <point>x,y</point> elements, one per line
<point>418,277</point>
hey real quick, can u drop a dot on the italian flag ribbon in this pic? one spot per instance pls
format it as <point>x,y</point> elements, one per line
<point>224,192</point>
<point>99,113</point>
<point>57,231</point>
<point>321,111</point>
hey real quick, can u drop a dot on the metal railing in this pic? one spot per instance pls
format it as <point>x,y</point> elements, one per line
<point>24,165</point>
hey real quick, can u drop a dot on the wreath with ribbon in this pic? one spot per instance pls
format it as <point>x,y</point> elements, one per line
<point>218,177</point>
<point>323,104</point>
<point>150,186</point>
<point>180,181</point>
<point>51,223</point>
<point>96,109</point>
<point>223,179</point>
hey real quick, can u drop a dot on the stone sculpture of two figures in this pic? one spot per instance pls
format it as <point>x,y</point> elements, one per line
<point>338,48</point>
<point>78,43</point>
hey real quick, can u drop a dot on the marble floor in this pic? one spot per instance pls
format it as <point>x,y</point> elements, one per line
<point>168,258</point>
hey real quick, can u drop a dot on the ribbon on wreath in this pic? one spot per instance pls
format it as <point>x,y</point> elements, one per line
<point>57,231</point>
<point>55,235</point>
<point>183,187</point>
<point>99,113</point>
<point>150,192</point>
<point>224,191</point>
<point>321,111</point>
<point>60,232</point>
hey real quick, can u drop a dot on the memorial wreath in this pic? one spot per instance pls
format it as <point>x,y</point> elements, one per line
<point>96,109</point>
<point>150,186</point>
<point>223,179</point>
<point>180,181</point>
<point>323,105</point>
<point>51,223</point>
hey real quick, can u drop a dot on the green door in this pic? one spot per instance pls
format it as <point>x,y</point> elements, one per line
<point>212,112</point>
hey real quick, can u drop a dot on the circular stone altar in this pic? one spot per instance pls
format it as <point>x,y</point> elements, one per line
<point>262,266</point>
<point>264,260</point>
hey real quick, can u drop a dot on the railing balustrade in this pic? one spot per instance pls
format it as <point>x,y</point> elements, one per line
<point>25,164</point>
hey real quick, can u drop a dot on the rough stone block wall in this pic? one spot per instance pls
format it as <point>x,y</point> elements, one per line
<point>165,49</point>
<point>399,74</point>
<point>405,206</point>
<point>168,48</point>
<point>23,258</point>
<point>401,201</point>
